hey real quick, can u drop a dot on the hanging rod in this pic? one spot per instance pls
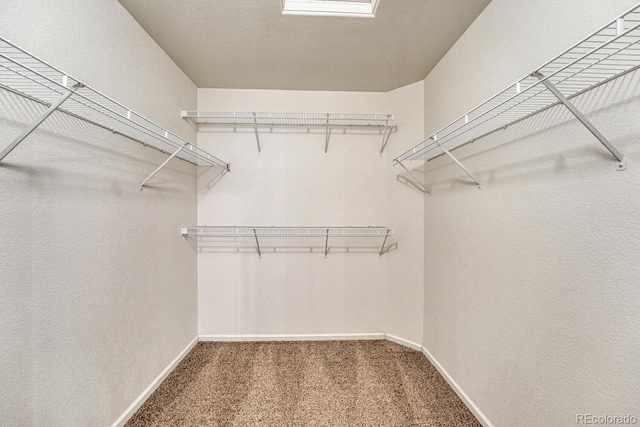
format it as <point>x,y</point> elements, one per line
<point>29,76</point>
<point>608,53</point>
<point>324,239</point>
<point>272,120</point>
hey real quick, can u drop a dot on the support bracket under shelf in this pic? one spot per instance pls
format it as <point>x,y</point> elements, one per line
<point>255,129</point>
<point>255,235</point>
<point>52,108</point>
<point>386,134</point>
<point>384,242</point>
<point>159,168</point>
<point>622,161</point>
<point>326,244</point>
<point>327,136</point>
<point>448,153</point>
<point>166,162</point>
<point>415,179</point>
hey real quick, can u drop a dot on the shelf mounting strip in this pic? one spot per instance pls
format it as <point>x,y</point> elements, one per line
<point>26,75</point>
<point>323,238</point>
<point>273,120</point>
<point>608,53</point>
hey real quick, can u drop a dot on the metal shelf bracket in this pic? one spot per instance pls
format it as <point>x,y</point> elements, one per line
<point>386,134</point>
<point>227,167</point>
<point>415,180</point>
<point>159,168</point>
<point>622,161</point>
<point>327,136</point>
<point>255,235</point>
<point>384,242</point>
<point>326,244</point>
<point>448,153</point>
<point>255,128</point>
<point>52,108</point>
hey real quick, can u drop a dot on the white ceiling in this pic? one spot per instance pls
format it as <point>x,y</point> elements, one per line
<point>250,44</point>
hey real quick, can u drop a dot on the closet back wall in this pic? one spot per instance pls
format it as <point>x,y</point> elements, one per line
<point>97,289</point>
<point>294,183</point>
<point>531,284</point>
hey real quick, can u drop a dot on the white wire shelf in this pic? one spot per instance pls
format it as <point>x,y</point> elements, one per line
<point>608,53</point>
<point>319,239</point>
<point>272,119</point>
<point>26,75</point>
<point>381,123</point>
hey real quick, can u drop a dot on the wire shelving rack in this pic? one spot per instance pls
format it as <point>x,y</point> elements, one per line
<point>608,53</point>
<point>380,123</point>
<point>26,75</point>
<point>315,239</point>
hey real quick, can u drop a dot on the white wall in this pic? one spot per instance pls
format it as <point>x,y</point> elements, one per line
<point>406,211</point>
<point>531,284</point>
<point>98,291</point>
<point>293,183</point>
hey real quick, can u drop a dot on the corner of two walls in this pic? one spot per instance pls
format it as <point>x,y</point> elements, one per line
<point>98,289</point>
<point>405,270</point>
<point>530,284</point>
<point>292,182</point>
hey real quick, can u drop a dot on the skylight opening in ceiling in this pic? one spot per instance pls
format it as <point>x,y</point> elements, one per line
<point>346,8</point>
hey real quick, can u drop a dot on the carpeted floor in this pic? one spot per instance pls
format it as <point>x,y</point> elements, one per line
<point>325,383</point>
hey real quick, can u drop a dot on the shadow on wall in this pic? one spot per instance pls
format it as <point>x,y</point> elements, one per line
<point>408,182</point>
<point>596,104</point>
<point>209,176</point>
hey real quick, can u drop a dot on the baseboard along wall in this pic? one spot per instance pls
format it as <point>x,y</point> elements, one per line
<point>294,337</point>
<point>475,410</point>
<point>403,342</point>
<point>128,413</point>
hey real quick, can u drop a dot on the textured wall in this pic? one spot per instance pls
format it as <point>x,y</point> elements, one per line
<point>405,210</point>
<point>293,183</point>
<point>98,291</point>
<point>531,284</point>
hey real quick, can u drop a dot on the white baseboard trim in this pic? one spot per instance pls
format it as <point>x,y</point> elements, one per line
<point>403,342</point>
<point>153,386</point>
<point>294,337</point>
<point>461,394</point>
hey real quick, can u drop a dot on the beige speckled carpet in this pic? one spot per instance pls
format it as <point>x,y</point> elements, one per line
<point>326,383</point>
